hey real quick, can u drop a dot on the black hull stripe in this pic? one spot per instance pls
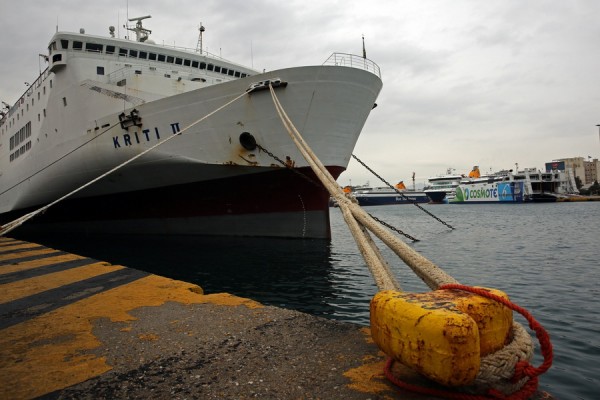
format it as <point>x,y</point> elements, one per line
<point>24,309</point>
<point>46,269</point>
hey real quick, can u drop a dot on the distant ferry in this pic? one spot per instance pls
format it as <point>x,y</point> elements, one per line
<point>377,196</point>
<point>528,185</point>
<point>442,188</point>
<point>103,100</point>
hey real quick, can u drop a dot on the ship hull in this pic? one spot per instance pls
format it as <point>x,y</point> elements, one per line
<point>493,193</point>
<point>436,196</point>
<point>204,181</point>
<point>390,199</point>
<point>277,203</point>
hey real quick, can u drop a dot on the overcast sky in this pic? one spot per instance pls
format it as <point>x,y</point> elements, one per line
<point>465,82</point>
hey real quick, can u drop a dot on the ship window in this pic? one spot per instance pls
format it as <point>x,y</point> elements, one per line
<point>110,49</point>
<point>123,52</point>
<point>143,55</point>
<point>161,57</point>
<point>178,61</point>
<point>237,74</point>
<point>57,57</point>
<point>152,56</point>
<point>217,68</point>
<point>64,101</point>
<point>133,53</point>
<point>210,67</point>
<point>170,59</point>
<point>100,70</point>
<point>50,83</point>
<point>202,65</point>
<point>244,75</point>
<point>64,43</point>
<point>194,64</point>
<point>224,71</point>
<point>94,47</point>
<point>230,73</point>
<point>44,113</point>
<point>77,45</point>
<point>138,72</point>
<point>187,63</point>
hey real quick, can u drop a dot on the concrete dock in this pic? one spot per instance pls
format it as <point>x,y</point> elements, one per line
<point>75,327</point>
<point>72,327</point>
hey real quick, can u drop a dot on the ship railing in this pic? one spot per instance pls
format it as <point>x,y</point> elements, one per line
<point>29,91</point>
<point>353,61</point>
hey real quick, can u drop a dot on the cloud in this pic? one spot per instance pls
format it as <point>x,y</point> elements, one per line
<point>465,82</point>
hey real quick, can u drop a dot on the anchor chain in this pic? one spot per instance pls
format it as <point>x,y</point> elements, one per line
<point>270,154</point>
<point>400,193</point>
<point>279,160</point>
<point>414,239</point>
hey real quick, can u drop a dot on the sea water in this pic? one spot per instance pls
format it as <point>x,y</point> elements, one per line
<point>545,256</point>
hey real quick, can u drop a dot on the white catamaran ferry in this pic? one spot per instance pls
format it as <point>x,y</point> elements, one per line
<point>103,100</point>
<point>528,185</point>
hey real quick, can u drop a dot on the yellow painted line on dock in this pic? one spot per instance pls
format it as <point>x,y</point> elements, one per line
<point>26,265</point>
<point>18,246</point>
<point>55,350</point>
<point>27,287</point>
<point>45,352</point>
<point>12,256</point>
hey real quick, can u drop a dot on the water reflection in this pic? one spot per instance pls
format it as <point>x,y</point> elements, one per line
<point>295,274</point>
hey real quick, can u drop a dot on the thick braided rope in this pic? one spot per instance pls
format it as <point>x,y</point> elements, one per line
<point>430,273</point>
<point>379,269</point>
<point>517,354</point>
<point>497,370</point>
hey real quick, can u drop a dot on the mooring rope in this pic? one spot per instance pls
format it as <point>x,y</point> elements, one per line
<point>499,364</point>
<point>4,229</point>
<point>59,159</point>
<point>431,274</point>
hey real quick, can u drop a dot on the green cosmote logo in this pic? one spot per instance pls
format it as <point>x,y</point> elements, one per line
<point>459,196</point>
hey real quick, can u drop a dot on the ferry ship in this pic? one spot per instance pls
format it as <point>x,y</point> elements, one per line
<point>379,196</point>
<point>442,188</point>
<point>528,185</point>
<point>103,100</point>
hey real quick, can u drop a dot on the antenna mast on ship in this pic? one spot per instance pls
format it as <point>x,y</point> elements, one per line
<point>199,45</point>
<point>141,33</point>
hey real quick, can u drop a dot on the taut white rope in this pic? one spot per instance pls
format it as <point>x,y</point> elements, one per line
<point>4,229</point>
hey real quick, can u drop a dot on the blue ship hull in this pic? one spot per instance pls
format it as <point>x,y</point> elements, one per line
<point>380,200</point>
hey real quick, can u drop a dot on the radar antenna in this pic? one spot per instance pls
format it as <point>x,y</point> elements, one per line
<point>141,33</point>
<point>199,45</point>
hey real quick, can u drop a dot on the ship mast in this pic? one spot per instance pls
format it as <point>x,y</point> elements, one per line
<point>141,33</point>
<point>199,45</point>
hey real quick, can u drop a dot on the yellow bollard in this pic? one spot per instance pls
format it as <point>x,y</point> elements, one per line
<point>441,334</point>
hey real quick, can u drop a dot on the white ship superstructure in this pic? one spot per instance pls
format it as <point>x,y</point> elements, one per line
<point>506,186</point>
<point>103,100</point>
